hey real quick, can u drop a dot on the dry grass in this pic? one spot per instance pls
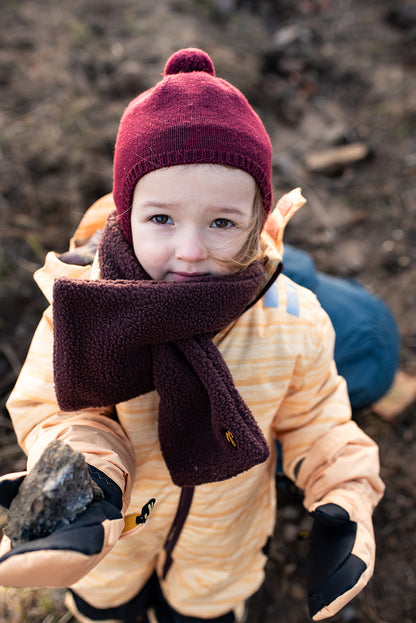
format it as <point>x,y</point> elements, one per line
<point>24,605</point>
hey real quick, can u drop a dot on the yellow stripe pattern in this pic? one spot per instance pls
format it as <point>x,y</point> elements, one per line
<point>281,359</point>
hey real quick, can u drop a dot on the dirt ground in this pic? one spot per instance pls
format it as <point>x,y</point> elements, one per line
<point>322,74</point>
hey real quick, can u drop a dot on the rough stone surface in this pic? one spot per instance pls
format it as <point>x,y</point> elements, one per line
<point>55,492</point>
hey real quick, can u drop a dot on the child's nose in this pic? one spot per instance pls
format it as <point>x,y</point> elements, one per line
<point>190,248</point>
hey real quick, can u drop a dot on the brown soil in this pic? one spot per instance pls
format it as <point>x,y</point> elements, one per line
<point>321,73</point>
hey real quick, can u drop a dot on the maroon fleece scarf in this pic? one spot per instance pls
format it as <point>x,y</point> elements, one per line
<point>125,335</point>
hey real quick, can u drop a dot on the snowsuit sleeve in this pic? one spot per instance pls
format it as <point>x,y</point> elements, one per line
<point>32,405</point>
<point>328,456</point>
<point>38,420</point>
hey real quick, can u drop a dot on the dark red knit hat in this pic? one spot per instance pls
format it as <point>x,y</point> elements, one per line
<point>190,116</point>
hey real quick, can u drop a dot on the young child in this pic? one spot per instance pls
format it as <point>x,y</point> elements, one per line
<point>173,362</point>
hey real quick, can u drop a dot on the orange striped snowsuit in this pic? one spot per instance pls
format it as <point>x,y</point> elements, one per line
<point>280,353</point>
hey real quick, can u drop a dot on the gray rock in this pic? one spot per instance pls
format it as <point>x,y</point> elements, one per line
<point>54,493</point>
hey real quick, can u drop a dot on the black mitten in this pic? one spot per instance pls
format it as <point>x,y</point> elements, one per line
<point>334,569</point>
<point>71,551</point>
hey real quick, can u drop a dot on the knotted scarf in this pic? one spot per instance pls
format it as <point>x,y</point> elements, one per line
<point>124,335</point>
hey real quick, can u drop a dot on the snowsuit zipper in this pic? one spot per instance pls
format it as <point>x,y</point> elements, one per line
<point>182,512</point>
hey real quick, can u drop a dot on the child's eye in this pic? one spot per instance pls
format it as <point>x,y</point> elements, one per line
<point>222,223</point>
<point>161,219</point>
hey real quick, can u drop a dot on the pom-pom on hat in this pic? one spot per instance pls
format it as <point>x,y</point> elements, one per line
<point>189,117</point>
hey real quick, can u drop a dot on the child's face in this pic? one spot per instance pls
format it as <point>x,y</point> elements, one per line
<point>184,216</point>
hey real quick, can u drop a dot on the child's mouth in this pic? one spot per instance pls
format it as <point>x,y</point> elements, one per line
<point>185,276</point>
